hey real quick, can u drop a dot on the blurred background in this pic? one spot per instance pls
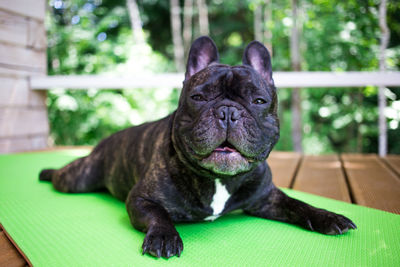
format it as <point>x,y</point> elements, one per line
<point>150,36</point>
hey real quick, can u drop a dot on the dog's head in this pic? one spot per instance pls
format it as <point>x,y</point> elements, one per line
<point>226,122</point>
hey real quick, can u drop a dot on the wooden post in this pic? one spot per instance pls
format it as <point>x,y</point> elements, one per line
<point>385,35</point>
<point>23,112</point>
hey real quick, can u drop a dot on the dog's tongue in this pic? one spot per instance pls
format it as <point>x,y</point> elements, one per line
<point>225,149</point>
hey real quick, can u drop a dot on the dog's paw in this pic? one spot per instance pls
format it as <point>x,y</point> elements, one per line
<point>162,242</point>
<point>328,223</point>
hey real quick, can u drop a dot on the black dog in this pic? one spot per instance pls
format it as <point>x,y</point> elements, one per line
<point>202,161</point>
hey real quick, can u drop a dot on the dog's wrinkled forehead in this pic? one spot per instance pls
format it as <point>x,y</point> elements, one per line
<point>229,79</point>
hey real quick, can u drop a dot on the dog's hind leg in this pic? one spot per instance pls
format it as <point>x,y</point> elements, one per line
<point>82,175</point>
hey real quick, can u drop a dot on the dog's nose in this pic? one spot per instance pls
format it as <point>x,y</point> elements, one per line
<point>228,116</point>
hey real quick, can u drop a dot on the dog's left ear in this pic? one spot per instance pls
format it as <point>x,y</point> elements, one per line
<point>257,56</point>
<point>202,53</point>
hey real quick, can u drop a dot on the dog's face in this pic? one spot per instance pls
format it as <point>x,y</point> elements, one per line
<point>226,122</point>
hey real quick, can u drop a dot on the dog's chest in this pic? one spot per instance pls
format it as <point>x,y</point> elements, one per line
<point>219,200</point>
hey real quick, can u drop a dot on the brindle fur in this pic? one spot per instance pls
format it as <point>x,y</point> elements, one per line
<point>155,167</point>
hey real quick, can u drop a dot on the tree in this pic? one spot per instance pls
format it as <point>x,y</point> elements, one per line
<point>187,25</point>
<point>385,34</point>
<point>267,23</point>
<point>258,29</point>
<point>176,28</point>
<point>262,22</point>
<point>89,37</point>
<point>136,22</point>
<point>296,99</point>
<point>203,17</point>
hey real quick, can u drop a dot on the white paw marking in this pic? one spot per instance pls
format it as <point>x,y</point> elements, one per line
<point>220,198</point>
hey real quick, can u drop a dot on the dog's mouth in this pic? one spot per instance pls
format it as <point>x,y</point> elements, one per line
<point>226,160</point>
<point>225,147</point>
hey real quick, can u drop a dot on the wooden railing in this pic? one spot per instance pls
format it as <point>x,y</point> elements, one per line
<point>174,80</point>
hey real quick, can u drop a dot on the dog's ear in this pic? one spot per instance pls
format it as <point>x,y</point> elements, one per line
<point>202,53</point>
<point>257,56</point>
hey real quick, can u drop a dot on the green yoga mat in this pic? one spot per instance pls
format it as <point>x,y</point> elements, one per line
<point>56,229</point>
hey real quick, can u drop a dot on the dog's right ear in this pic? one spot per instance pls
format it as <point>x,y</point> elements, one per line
<point>202,53</point>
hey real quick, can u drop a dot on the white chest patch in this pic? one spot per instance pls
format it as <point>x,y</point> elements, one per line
<point>220,197</point>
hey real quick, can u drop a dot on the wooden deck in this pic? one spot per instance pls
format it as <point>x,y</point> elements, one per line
<point>365,180</point>
<point>9,255</point>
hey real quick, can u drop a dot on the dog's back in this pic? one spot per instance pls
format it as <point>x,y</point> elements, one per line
<point>116,163</point>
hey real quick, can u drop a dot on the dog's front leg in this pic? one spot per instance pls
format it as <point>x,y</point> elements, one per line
<point>276,205</point>
<point>161,239</point>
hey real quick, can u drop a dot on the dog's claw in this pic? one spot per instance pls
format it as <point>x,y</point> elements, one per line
<point>179,250</point>
<point>145,248</point>
<point>162,242</point>
<point>353,226</point>
<point>309,225</point>
<point>158,253</point>
<point>328,223</point>
<point>338,229</point>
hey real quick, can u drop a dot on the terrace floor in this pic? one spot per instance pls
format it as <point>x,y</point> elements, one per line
<point>363,179</point>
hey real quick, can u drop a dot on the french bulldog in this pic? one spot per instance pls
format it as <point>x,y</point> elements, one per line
<point>204,160</point>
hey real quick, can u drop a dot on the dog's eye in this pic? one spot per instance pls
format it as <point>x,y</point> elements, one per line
<point>197,97</point>
<point>259,101</point>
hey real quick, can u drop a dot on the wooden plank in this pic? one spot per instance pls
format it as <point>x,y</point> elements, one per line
<point>30,8</point>
<point>372,183</point>
<point>23,122</point>
<point>36,38</point>
<point>322,175</point>
<point>22,31</point>
<point>38,142</point>
<point>9,255</point>
<point>22,58</point>
<point>37,98</point>
<point>11,145</point>
<point>23,144</point>
<point>394,162</point>
<point>283,166</point>
<point>13,28</point>
<point>18,72</point>
<point>14,92</point>
<point>174,80</point>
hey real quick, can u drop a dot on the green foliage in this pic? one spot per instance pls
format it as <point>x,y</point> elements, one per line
<point>94,36</point>
<point>87,37</point>
<point>336,36</point>
<point>84,117</point>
